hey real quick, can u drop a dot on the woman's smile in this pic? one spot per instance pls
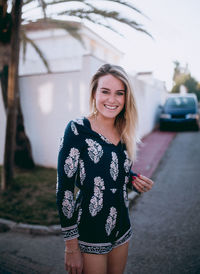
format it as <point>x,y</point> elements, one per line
<point>110,107</point>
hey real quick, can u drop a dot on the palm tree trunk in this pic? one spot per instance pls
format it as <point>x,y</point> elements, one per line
<point>8,166</point>
<point>23,153</point>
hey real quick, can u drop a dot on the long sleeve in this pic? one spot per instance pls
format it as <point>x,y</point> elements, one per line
<point>130,185</point>
<point>68,161</point>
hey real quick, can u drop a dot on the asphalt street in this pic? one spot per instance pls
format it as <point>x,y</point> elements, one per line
<point>166,219</point>
<point>165,223</point>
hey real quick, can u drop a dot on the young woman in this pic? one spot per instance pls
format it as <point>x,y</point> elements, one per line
<point>96,155</point>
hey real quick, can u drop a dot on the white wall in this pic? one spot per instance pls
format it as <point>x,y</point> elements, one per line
<point>149,95</point>
<point>49,101</point>
<point>64,52</point>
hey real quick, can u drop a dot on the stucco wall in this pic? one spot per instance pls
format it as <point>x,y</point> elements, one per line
<point>148,98</point>
<point>64,52</point>
<point>49,101</point>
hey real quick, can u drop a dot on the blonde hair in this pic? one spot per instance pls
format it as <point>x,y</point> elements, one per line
<point>126,121</point>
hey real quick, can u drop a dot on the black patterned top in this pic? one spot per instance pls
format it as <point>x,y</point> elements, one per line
<point>101,171</point>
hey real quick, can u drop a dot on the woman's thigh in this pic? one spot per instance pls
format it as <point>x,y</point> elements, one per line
<point>117,259</point>
<point>94,264</point>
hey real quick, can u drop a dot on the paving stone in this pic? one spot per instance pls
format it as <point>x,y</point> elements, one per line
<point>11,263</point>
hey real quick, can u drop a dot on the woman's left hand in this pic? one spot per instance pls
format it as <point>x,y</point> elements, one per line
<point>142,183</point>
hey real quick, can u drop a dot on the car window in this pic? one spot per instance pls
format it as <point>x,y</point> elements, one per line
<point>180,102</point>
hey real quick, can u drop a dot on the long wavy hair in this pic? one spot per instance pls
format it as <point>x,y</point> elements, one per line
<point>126,121</point>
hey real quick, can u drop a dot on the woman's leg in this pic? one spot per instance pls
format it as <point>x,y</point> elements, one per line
<point>117,259</point>
<point>94,264</point>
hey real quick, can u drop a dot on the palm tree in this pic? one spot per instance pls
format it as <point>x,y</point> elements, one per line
<point>12,30</point>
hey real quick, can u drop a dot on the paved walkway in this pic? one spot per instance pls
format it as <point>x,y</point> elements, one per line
<point>151,151</point>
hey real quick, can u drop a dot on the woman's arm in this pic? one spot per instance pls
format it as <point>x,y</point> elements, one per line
<point>68,160</point>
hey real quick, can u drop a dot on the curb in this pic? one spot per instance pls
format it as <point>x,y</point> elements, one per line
<point>7,225</point>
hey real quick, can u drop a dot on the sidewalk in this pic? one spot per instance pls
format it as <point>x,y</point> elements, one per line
<point>151,151</point>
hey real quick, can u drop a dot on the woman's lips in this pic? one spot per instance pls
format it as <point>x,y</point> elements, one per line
<point>110,107</point>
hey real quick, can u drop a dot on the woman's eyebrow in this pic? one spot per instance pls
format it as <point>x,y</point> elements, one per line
<point>116,90</point>
<point>105,88</point>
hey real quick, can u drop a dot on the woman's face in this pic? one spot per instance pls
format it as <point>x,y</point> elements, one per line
<point>109,96</point>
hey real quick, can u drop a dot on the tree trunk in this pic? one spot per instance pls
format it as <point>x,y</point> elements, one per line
<point>12,99</point>
<point>23,153</point>
<point>4,84</point>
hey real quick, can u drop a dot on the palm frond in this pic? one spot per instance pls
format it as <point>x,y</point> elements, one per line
<point>27,2</point>
<point>128,5</point>
<point>71,27</point>
<point>119,2</point>
<point>94,11</point>
<point>24,44</point>
<point>114,15</point>
<point>37,49</point>
<point>89,12</point>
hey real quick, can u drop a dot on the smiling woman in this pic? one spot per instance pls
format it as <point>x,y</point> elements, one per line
<point>118,89</point>
<point>96,154</point>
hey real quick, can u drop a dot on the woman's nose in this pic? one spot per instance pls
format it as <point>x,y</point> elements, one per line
<point>111,98</point>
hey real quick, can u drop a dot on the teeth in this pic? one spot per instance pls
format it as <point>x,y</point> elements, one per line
<point>110,107</point>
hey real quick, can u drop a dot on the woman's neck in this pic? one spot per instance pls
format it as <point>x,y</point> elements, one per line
<point>106,127</point>
<point>105,123</point>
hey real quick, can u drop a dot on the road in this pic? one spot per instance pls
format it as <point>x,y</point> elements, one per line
<point>166,219</point>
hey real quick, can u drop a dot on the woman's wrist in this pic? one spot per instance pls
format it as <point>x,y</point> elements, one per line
<point>71,251</point>
<point>71,246</point>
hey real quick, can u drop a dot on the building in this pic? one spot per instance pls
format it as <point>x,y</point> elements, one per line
<point>50,99</point>
<point>63,51</point>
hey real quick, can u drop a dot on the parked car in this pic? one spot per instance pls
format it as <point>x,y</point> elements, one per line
<point>180,112</point>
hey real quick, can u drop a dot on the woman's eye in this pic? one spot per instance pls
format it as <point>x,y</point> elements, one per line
<point>120,93</point>
<point>105,91</point>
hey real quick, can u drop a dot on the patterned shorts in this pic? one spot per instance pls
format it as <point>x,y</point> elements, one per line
<point>103,248</point>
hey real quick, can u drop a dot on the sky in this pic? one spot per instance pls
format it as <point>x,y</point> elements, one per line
<point>175,26</point>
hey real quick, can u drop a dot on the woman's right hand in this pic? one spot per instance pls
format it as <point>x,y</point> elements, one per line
<point>74,262</point>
